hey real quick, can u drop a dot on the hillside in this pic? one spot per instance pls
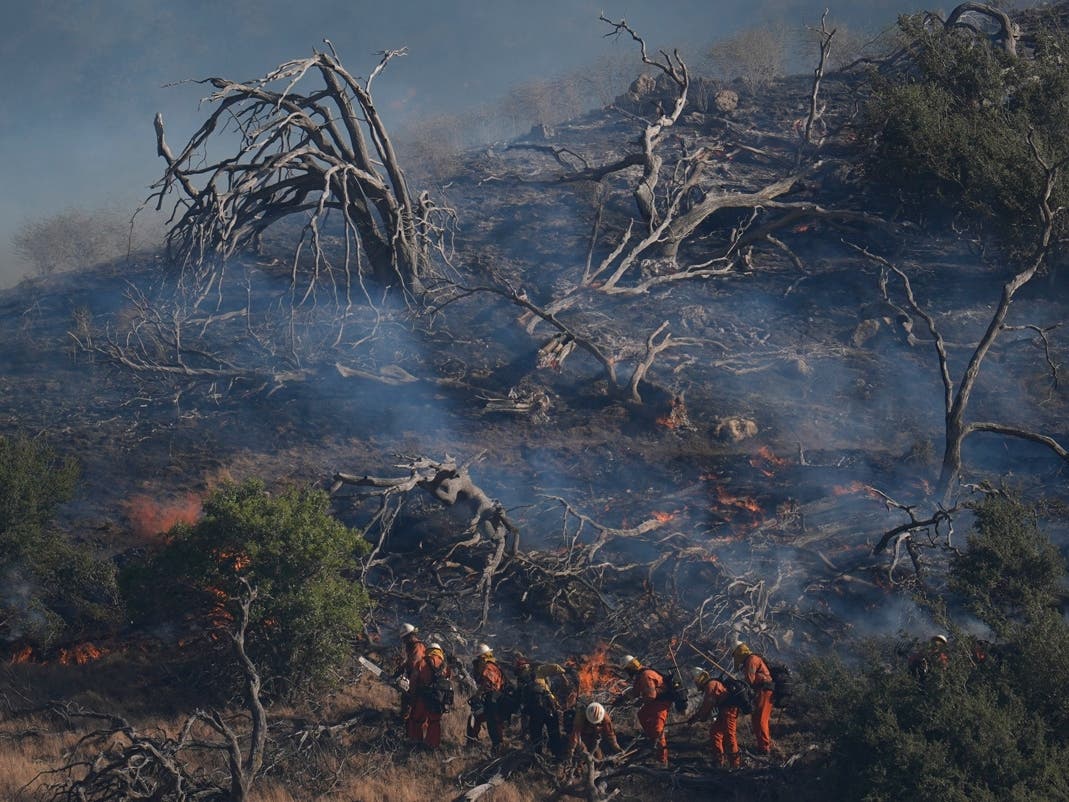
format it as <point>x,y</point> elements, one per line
<point>738,433</point>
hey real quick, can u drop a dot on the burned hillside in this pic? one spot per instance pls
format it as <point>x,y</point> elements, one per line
<point>671,374</point>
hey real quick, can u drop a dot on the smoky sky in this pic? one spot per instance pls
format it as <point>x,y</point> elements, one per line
<point>83,80</point>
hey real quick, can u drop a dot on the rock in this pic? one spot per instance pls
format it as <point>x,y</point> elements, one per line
<point>726,101</point>
<point>735,429</point>
<point>864,332</point>
<point>642,86</point>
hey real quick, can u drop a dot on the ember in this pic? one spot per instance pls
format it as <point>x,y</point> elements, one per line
<point>766,461</point>
<point>149,517</point>
<point>664,517</point>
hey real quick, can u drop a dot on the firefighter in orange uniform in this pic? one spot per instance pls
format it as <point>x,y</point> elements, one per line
<point>926,660</point>
<point>431,695</point>
<point>414,650</point>
<point>486,703</point>
<point>593,731</point>
<point>757,676</point>
<point>722,731</point>
<point>649,688</point>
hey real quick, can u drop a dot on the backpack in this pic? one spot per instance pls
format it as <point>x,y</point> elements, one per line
<point>782,683</point>
<point>739,695</point>
<point>674,691</point>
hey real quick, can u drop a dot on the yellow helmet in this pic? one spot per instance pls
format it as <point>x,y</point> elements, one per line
<point>541,684</point>
<point>436,647</point>
<point>740,654</point>
<point>701,676</point>
<point>630,663</point>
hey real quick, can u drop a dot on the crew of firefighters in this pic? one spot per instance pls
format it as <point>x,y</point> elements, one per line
<point>570,727</point>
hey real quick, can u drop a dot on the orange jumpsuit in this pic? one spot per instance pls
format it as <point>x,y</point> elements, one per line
<point>592,736</point>
<point>415,649</point>
<point>424,722</point>
<point>491,682</point>
<point>653,714</point>
<point>722,731</point>
<point>758,677</point>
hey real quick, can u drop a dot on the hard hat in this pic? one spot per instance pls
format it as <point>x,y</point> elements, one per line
<point>595,713</point>
<point>436,647</point>
<point>406,630</point>
<point>630,663</point>
<point>701,676</point>
<point>939,639</point>
<point>739,654</point>
<point>541,684</point>
<point>484,651</point>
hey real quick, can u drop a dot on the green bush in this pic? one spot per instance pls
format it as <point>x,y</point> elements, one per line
<point>993,724</point>
<point>300,560</point>
<point>950,135</point>
<point>52,588</point>
<point>1010,571</point>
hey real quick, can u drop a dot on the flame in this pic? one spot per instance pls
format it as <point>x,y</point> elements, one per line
<point>766,461</point>
<point>23,655</point>
<point>664,517</point>
<point>676,417</point>
<point>853,487</point>
<point>150,517</point>
<point>801,229</point>
<point>596,673</point>
<point>80,654</point>
<point>746,503</point>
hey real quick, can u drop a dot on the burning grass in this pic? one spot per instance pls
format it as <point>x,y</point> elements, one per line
<point>149,517</point>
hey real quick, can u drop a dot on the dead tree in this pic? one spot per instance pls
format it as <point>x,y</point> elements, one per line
<point>130,764</point>
<point>956,397</point>
<point>298,154</point>
<point>451,483</point>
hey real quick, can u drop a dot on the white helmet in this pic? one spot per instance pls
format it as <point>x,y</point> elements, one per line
<point>406,630</point>
<point>939,638</point>
<point>435,646</point>
<point>630,662</point>
<point>483,649</point>
<point>595,713</point>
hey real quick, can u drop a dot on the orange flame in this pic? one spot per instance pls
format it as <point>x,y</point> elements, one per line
<point>150,517</point>
<point>596,673</point>
<point>853,487</point>
<point>23,655</point>
<point>664,517</point>
<point>746,503</point>
<point>80,654</point>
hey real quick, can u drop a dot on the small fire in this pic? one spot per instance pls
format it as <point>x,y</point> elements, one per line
<point>596,673</point>
<point>149,517</point>
<point>766,461</point>
<point>23,655</point>
<point>677,417</point>
<point>664,517</point>
<point>853,487</point>
<point>80,654</point>
<point>745,503</point>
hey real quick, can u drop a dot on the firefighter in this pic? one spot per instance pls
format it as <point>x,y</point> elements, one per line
<point>651,689</point>
<point>759,678</point>
<point>539,706</point>
<point>486,702</point>
<point>932,656</point>
<point>592,731</point>
<point>432,694</point>
<point>414,651</point>
<point>722,730</point>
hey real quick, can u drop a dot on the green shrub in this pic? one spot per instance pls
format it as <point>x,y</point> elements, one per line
<point>300,560</point>
<point>993,724</point>
<point>51,588</point>
<point>950,135</point>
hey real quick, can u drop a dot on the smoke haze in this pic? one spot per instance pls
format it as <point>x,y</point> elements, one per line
<point>84,80</point>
